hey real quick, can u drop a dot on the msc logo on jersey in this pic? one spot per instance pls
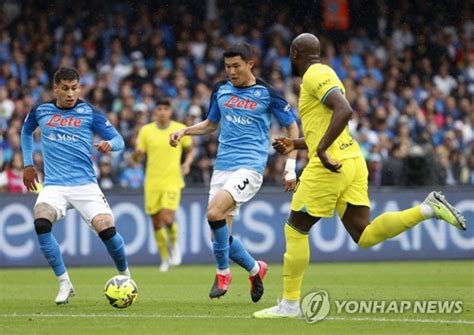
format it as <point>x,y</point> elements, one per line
<point>236,102</point>
<point>58,121</point>
<point>63,137</point>
<point>244,120</point>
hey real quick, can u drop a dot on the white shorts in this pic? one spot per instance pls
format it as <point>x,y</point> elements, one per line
<point>87,199</point>
<point>242,184</point>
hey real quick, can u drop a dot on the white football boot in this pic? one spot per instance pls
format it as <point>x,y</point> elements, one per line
<point>66,292</point>
<point>175,255</point>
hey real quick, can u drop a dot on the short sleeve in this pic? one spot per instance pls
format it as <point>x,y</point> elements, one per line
<point>281,109</point>
<point>321,83</point>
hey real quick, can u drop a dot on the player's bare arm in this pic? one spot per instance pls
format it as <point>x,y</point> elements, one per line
<point>30,178</point>
<point>342,113</point>
<point>201,128</point>
<point>285,145</point>
<point>190,154</point>
<point>289,173</point>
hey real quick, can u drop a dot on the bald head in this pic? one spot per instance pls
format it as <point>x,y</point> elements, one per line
<point>305,50</point>
<point>307,44</point>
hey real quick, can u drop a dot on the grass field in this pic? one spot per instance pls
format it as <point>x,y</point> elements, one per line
<point>177,302</point>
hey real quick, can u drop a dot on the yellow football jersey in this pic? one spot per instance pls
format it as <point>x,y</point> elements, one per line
<point>163,166</point>
<point>318,81</point>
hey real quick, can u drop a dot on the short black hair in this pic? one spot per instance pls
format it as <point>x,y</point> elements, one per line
<point>242,49</point>
<point>66,73</point>
<point>163,102</point>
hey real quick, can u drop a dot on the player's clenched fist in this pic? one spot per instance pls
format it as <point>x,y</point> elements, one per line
<point>283,145</point>
<point>103,146</point>
<point>176,137</point>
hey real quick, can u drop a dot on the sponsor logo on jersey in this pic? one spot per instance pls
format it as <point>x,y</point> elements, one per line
<point>58,121</point>
<point>245,120</point>
<point>237,102</point>
<point>63,137</point>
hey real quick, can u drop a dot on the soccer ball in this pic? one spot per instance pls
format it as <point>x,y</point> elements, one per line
<point>121,291</point>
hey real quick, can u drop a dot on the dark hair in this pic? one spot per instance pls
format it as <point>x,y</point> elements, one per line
<point>66,73</point>
<point>239,49</point>
<point>163,102</point>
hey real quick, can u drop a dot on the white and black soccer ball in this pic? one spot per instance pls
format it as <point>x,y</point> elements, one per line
<point>121,291</point>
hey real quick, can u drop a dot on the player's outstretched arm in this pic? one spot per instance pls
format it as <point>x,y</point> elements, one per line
<point>285,145</point>
<point>202,128</point>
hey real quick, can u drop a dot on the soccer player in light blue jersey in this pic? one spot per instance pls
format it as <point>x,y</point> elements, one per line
<point>243,107</point>
<point>67,127</point>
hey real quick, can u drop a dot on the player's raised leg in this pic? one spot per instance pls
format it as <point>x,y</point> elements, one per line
<point>217,211</point>
<point>391,224</point>
<point>44,216</point>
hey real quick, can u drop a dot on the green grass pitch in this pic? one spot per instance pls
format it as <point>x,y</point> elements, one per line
<point>177,302</point>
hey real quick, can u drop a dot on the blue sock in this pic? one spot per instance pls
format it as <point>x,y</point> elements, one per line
<point>50,249</point>
<point>240,255</point>
<point>220,243</point>
<point>116,249</point>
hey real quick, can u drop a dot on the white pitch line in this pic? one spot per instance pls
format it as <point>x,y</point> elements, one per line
<point>207,316</point>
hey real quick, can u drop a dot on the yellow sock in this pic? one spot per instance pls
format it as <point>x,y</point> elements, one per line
<point>389,225</point>
<point>173,233</point>
<point>161,238</point>
<point>295,262</point>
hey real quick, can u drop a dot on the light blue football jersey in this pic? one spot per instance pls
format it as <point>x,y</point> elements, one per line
<point>66,139</point>
<point>245,114</point>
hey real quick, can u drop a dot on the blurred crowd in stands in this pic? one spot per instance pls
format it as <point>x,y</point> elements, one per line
<point>408,73</point>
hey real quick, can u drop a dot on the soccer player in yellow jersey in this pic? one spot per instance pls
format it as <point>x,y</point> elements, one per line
<point>164,179</point>
<point>335,177</point>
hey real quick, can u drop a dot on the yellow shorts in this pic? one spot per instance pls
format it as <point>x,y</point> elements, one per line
<point>156,200</point>
<point>320,191</point>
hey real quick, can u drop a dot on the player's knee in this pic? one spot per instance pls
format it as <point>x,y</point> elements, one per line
<point>45,211</point>
<point>167,219</point>
<point>215,214</point>
<point>102,222</point>
<point>43,226</point>
<point>107,233</point>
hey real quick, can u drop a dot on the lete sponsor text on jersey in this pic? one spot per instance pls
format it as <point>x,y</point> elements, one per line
<point>58,121</point>
<point>237,102</point>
